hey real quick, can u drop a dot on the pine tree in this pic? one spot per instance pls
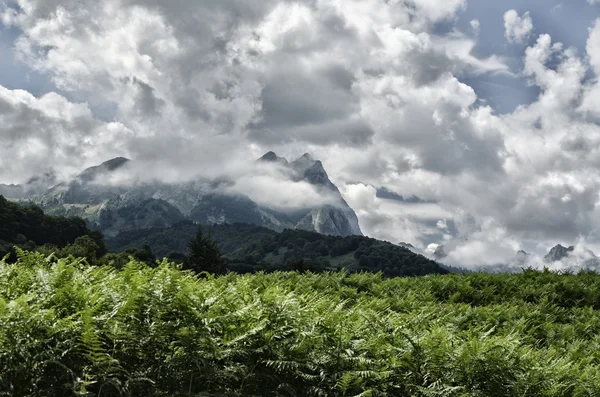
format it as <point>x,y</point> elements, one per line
<point>204,254</point>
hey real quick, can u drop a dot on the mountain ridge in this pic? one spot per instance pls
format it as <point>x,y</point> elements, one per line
<point>114,208</point>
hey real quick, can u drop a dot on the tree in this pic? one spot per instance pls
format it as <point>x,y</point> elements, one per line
<point>204,255</point>
<point>83,247</point>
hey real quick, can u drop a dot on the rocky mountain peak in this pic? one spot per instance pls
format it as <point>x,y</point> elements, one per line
<point>303,162</point>
<point>558,253</point>
<point>271,157</point>
<point>304,168</point>
<point>312,171</point>
<point>317,175</point>
<point>115,208</point>
<point>92,173</point>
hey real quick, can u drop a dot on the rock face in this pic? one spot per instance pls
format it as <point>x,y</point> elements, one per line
<point>572,258</point>
<point>116,208</point>
<point>337,218</point>
<point>558,253</point>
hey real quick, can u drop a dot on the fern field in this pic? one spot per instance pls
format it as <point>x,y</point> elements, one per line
<point>67,329</point>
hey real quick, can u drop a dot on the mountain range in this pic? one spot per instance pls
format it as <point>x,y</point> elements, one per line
<point>113,208</point>
<point>116,208</point>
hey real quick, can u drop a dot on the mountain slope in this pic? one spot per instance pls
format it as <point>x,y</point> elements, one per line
<point>115,208</point>
<point>249,248</point>
<point>558,253</point>
<point>336,218</point>
<point>28,227</point>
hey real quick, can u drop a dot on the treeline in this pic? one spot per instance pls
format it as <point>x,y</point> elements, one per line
<point>250,248</point>
<point>28,228</point>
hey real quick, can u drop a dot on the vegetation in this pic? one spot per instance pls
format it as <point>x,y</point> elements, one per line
<point>29,227</point>
<point>67,329</point>
<point>251,248</point>
<point>245,248</point>
<point>204,255</point>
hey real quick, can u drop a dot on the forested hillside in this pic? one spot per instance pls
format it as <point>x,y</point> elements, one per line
<point>29,227</point>
<point>67,329</point>
<point>250,248</point>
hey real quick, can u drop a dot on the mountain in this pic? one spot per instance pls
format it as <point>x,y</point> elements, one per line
<point>333,219</point>
<point>93,173</point>
<point>113,208</point>
<point>440,252</point>
<point>36,185</point>
<point>572,258</point>
<point>253,248</point>
<point>558,253</point>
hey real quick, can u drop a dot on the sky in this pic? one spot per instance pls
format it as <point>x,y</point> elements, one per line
<point>487,111</point>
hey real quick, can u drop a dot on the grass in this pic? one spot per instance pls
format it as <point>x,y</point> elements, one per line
<point>67,329</point>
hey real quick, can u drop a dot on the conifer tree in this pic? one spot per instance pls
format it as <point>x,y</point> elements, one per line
<point>204,254</point>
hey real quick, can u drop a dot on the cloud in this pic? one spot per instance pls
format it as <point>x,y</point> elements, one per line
<point>517,28</point>
<point>396,221</point>
<point>284,195</point>
<point>203,79</point>
<point>476,26</point>
<point>41,133</point>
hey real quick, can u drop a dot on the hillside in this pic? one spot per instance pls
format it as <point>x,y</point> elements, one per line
<point>29,227</point>
<point>71,330</point>
<point>250,248</point>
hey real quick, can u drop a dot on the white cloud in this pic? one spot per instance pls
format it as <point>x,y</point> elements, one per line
<point>517,28</point>
<point>593,46</point>
<point>395,221</point>
<point>590,105</point>
<point>476,26</point>
<point>39,134</point>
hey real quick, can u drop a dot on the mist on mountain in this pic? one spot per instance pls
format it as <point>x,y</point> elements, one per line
<point>123,194</point>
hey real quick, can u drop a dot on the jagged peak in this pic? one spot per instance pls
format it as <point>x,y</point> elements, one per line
<point>558,252</point>
<point>271,157</point>
<point>304,163</point>
<point>306,158</point>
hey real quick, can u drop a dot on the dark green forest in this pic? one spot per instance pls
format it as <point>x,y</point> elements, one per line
<point>251,248</point>
<point>28,227</point>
